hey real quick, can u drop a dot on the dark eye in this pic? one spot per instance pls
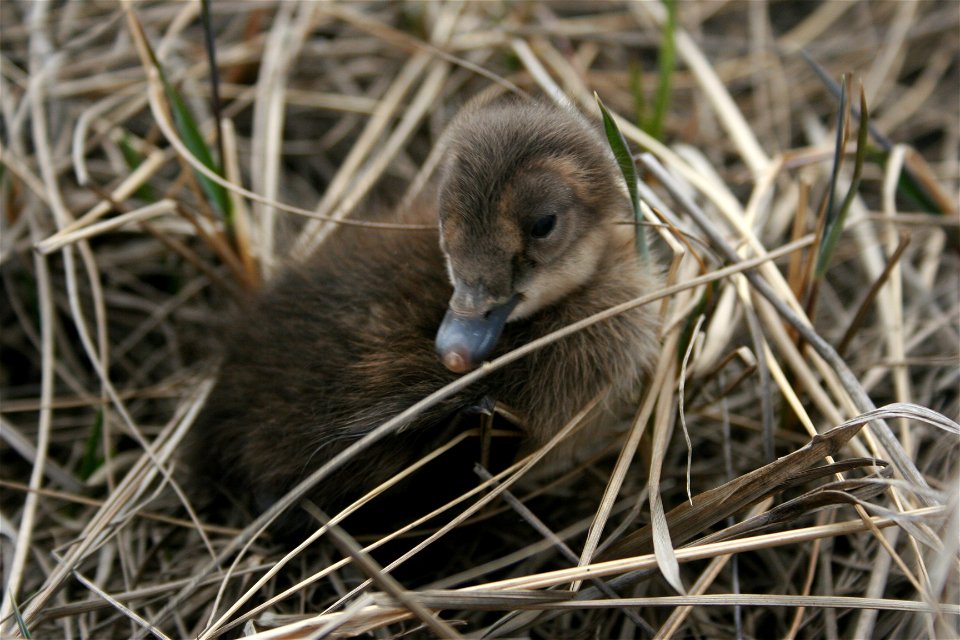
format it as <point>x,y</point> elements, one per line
<point>543,226</point>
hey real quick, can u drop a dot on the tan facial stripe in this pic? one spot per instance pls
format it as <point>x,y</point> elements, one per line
<point>512,237</point>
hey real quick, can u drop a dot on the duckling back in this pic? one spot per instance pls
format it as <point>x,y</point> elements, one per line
<point>328,351</point>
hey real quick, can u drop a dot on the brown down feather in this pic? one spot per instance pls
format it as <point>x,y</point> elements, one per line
<point>335,346</point>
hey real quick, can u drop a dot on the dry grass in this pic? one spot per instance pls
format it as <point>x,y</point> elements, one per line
<point>117,260</point>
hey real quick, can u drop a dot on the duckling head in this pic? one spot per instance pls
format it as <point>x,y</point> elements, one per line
<point>529,204</point>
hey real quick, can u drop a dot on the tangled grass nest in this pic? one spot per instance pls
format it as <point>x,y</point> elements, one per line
<point>813,276</point>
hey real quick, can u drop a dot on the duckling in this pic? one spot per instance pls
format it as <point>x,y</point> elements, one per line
<point>530,237</point>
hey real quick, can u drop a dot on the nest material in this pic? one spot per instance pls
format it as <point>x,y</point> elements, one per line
<point>118,257</point>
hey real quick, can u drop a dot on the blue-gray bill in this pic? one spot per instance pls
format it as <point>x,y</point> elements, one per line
<point>465,340</point>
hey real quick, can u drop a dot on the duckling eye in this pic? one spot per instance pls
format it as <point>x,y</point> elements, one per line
<point>543,226</point>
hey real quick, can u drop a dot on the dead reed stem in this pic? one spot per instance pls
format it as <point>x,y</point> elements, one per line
<point>119,262</point>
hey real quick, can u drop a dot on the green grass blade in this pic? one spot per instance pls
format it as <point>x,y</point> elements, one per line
<point>908,186</point>
<point>618,144</point>
<point>133,159</point>
<point>21,623</point>
<point>835,88</point>
<point>215,104</point>
<point>838,148</point>
<point>834,229</point>
<point>666,63</point>
<point>194,141</point>
<point>92,456</point>
<point>187,128</point>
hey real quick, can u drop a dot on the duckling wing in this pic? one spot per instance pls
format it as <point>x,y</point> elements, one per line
<point>326,353</point>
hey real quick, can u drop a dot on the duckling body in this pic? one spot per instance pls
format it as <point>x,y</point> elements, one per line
<point>529,241</point>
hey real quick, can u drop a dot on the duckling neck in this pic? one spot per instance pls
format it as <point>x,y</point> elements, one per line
<point>619,266</point>
<point>612,355</point>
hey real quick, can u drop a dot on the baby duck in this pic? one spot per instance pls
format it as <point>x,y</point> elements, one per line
<point>530,206</point>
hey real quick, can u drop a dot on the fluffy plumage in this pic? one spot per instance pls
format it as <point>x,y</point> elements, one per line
<point>530,208</point>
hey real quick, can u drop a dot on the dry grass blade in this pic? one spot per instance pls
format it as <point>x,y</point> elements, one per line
<point>852,386</point>
<point>258,526</point>
<point>374,616</point>
<point>661,534</point>
<point>133,486</point>
<point>113,602</point>
<point>799,507</point>
<point>624,460</point>
<point>116,115</point>
<point>411,602</point>
<point>699,552</point>
<point>868,299</point>
<point>567,552</point>
<point>542,600</point>
<point>239,602</point>
<point>708,508</point>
